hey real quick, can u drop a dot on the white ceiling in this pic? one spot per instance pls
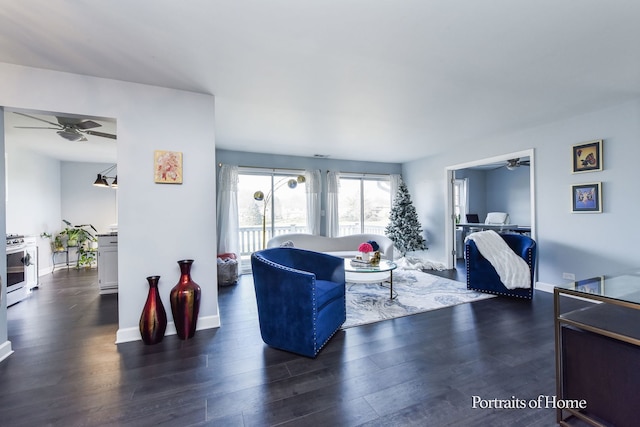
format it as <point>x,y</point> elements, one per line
<point>376,80</point>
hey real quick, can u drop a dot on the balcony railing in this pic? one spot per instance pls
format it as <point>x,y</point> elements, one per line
<point>251,237</point>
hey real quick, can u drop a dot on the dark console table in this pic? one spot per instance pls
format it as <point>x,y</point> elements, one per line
<point>597,329</point>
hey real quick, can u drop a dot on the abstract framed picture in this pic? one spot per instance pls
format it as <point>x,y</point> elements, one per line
<point>586,198</point>
<point>167,167</point>
<point>587,157</point>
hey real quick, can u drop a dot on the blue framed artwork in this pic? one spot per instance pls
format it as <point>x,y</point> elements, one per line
<point>594,285</point>
<point>586,198</point>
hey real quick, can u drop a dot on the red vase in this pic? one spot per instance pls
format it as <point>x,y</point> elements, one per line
<point>185,302</point>
<point>153,320</point>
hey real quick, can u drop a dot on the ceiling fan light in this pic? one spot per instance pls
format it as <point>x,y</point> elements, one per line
<point>71,135</point>
<point>114,184</point>
<point>512,164</point>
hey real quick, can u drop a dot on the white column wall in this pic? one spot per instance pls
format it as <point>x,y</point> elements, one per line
<point>158,224</point>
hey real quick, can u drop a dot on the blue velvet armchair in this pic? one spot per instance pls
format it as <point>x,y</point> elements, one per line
<point>482,277</point>
<point>300,296</point>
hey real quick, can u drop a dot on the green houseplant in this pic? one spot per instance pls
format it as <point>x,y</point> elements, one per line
<point>75,236</point>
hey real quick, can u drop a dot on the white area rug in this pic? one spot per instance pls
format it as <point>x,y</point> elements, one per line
<point>417,292</point>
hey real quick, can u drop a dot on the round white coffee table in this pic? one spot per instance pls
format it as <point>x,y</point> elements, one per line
<point>366,273</point>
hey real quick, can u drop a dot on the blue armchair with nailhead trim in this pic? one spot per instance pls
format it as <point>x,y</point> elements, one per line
<point>482,277</point>
<point>300,296</point>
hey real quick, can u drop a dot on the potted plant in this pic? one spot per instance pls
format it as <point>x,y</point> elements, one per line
<point>86,256</point>
<point>77,234</point>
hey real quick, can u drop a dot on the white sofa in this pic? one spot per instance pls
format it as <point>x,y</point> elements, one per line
<point>345,246</point>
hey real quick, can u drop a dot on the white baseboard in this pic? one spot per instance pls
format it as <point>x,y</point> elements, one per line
<point>133,334</point>
<point>545,287</point>
<point>5,350</point>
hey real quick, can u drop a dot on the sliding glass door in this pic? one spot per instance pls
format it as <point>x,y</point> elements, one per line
<point>269,204</point>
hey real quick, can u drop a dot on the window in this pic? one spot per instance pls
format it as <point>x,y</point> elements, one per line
<point>460,201</point>
<point>282,206</point>
<point>364,203</point>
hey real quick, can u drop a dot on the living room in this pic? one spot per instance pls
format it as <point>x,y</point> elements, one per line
<point>167,223</point>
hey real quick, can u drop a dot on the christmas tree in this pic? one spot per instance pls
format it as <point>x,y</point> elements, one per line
<point>405,230</point>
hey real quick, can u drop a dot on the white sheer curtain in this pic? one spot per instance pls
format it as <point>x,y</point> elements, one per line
<point>333,183</point>
<point>313,186</point>
<point>227,211</point>
<point>394,185</point>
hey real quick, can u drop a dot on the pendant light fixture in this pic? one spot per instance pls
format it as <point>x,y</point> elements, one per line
<point>101,180</point>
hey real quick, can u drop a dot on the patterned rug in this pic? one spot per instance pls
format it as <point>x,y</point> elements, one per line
<point>416,291</point>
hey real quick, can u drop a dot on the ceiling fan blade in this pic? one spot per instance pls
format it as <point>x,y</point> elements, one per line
<point>77,123</point>
<point>34,127</point>
<point>88,124</point>
<point>36,118</point>
<point>102,134</point>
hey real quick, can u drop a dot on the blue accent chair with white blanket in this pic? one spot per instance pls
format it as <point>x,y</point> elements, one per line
<point>300,296</point>
<point>482,276</point>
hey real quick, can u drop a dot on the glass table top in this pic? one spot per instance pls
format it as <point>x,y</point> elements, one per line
<point>384,265</point>
<point>622,287</point>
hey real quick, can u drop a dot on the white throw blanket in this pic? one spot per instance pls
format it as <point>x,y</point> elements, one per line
<point>513,270</point>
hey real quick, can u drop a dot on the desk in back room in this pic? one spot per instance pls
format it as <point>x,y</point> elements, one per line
<point>500,228</point>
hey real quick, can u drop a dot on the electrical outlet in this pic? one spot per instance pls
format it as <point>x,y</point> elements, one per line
<point>569,276</point>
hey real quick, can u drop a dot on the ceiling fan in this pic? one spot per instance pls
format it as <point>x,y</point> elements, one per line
<point>516,163</point>
<point>69,128</point>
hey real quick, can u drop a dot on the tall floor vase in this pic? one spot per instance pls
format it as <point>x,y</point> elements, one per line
<point>185,302</point>
<point>153,320</point>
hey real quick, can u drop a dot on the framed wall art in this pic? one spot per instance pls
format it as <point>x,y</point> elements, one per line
<point>167,167</point>
<point>594,285</point>
<point>587,157</point>
<point>586,198</point>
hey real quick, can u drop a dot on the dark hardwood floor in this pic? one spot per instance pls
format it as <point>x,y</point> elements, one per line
<point>420,370</point>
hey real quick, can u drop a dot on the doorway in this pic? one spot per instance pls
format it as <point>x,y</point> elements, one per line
<point>502,198</point>
<point>51,163</point>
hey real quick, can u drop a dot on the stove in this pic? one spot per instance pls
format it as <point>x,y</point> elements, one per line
<point>17,262</point>
<point>15,240</point>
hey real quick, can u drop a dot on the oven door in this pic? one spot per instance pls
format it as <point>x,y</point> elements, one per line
<point>16,270</point>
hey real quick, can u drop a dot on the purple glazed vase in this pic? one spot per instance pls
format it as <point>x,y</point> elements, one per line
<point>153,320</point>
<point>185,302</point>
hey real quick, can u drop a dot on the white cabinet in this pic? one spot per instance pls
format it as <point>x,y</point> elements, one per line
<point>108,263</point>
<point>31,262</point>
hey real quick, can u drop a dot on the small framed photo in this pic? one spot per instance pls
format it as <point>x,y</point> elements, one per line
<point>586,198</point>
<point>594,285</point>
<point>587,157</point>
<point>167,167</point>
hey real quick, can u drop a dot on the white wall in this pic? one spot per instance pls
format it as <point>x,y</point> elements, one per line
<point>33,204</point>
<point>509,191</point>
<point>158,224</point>
<point>583,244</point>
